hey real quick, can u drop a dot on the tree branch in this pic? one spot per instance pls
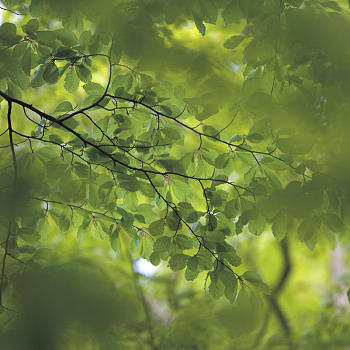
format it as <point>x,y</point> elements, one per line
<point>273,298</point>
<point>14,163</point>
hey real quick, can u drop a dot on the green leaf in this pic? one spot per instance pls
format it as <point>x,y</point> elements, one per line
<point>64,106</point>
<point>254,278</point>
<point>8,34</point>
<point>67,37</point>
<point>65,52</point>
<point>198,20</point>
<point>155,258</point>
<point>43,227</point>
<point>210,130</point>
<point>236,138</point>
<point>47,152</point>
<point>230,283</point>
<point>231,294</point>
<point>156,228</point>
<point>271,175</point>
<point>84,73</point>
<point>129,183</point>
<point>36,7</point>
<point>259,51</point>
<point>31,26</point>
<point>232,12</point>
<point>233,42</point>
<point>94,89</point>
<point>13,90</point>
<point>307,228</point>
<point>212,222</point>
<point>216,287</point>
<point>19,78</point>
<point>183,242</point>
<point>179,189</point>
<point>255,138</point>
<point>178,262</point>
<point>279,226</point>
<point>27,61</point>
<point>78,216</point>
<point>257,225</point>
<point>232,257</point>
<point>61,219</point>
<point>72,123</point>
<point>38,77</point>
<point>82,170</point>
<point>173,222</point>
<point>162,244</point>
<point>51,73</point>
<point>273,164</point>
<point>46,37</point>
<point>249,175</point>
<point>246,157</point>
<point>228,279</point>
<point>172,133</point>
<point>84,230</point>
<point>222,160</point>
<point>56,138</point>
<point>127,218</point>
<point>116,245</point>
<point>215,236</point>
<point>205,260</point>
<point>231,208</point>
<point>191,275</point>
<point>146,247</point>
<point>71,81</point>
<point>209,11</point>
<point>333,222</point>
<point>192,263</point>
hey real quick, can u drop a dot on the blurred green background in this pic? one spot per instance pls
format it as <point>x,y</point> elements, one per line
<point>70,294</point>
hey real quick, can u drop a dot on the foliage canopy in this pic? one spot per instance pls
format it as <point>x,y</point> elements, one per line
<point>120,121</point>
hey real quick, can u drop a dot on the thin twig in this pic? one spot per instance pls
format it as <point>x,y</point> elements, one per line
<point>15,13</point>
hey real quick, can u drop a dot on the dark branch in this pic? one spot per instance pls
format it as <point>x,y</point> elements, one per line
<point>14,12</point>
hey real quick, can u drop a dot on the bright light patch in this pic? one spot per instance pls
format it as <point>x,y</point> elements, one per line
<point>144,267</point>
